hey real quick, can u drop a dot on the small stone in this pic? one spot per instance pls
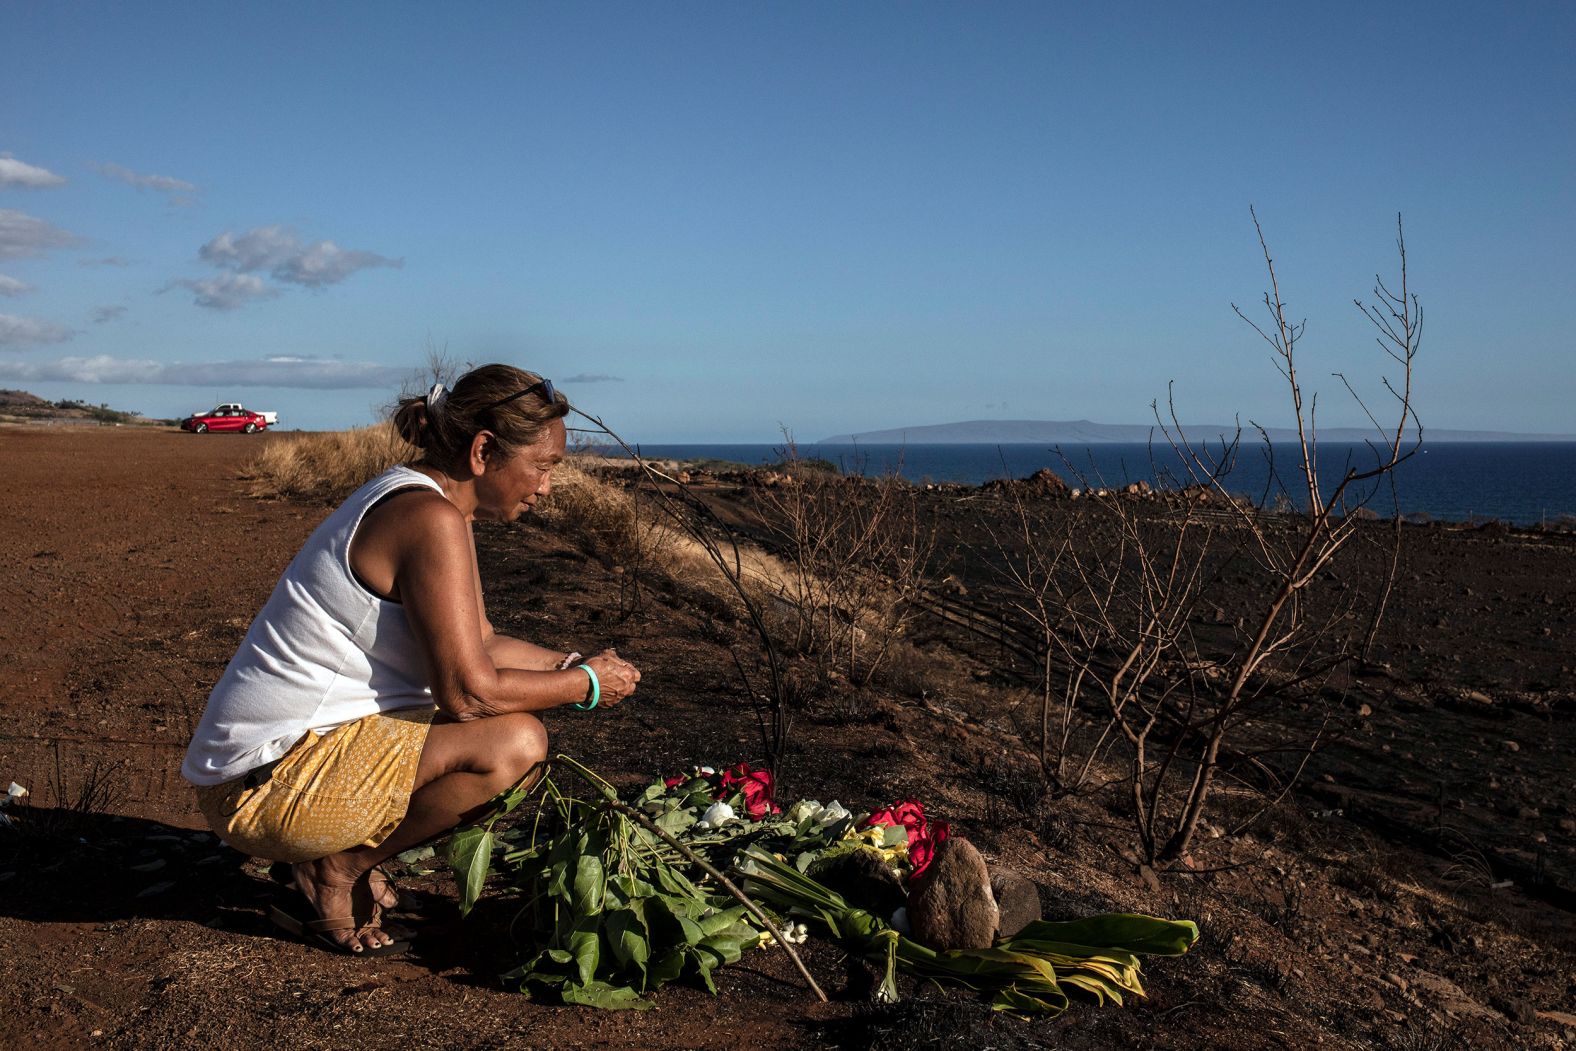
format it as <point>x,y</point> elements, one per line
<point>1479,696</point>
<point>1568,825</point>
<point>951,906</point>
<point>1364,711</point>
<point>1396,980</point>
<point>1017,901</point>
<point>1512,746</point>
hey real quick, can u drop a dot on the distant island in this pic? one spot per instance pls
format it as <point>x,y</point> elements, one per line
<point>1085,432</point>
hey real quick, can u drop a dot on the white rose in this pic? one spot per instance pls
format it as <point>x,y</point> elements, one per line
<point>716,815</point>
<point>832,813</point>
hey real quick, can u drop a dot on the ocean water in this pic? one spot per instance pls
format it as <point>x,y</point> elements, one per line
<point>1519,482</point>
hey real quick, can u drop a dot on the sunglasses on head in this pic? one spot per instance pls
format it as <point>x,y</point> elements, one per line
<point>542,387</point>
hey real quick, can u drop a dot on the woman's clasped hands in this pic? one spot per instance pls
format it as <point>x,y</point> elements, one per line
<point>615,676</point>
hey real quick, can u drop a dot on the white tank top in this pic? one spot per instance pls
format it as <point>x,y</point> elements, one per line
<point>324,651</point>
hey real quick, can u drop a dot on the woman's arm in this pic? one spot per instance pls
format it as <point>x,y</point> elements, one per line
<point>505,650</point>
<point>433,564</point>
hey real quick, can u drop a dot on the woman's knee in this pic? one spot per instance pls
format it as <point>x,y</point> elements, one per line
<point>519,744</point>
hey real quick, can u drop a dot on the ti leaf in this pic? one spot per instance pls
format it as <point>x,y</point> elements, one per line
<point>1136,934</point>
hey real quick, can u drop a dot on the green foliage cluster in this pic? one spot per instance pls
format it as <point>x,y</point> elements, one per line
<point>611,911</point>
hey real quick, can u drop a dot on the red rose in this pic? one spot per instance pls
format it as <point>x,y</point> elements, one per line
<point>922,836</point>
<point>908,813</point>
<point>756,785</point>
<point>923,850</point>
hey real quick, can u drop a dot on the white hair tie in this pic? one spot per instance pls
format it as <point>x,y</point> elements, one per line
<point>436,397</point>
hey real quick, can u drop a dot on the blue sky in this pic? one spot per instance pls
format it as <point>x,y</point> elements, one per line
<point>710,222</point>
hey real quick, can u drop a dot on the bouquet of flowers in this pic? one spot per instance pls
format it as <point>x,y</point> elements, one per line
<point>615,906</point>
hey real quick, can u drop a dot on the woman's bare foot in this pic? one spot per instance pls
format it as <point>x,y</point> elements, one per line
<point>337,891</point>
<point>382,885</point>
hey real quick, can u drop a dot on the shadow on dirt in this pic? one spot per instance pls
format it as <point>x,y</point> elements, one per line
<point>59,865</point>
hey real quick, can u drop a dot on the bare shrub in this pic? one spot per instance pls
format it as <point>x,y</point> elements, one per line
<point>857,554</point>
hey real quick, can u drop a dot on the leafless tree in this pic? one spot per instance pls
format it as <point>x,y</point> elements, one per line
<point>1151,660</point>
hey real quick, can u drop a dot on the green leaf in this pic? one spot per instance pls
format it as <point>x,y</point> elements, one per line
<point>666,968</point>
<point>1100,988</point>
<point>583,945</point>
<point>676,822</point>
<point>590,886</point>
<point>470,856</point>
<point>560,864</point>
<point>703,963</point>
<point>628,938</point>
<point>606,996</point>
<point>721,920</point>
<point>1041,1001</point>
<point>1118,958</point>
<point>1147,935</point>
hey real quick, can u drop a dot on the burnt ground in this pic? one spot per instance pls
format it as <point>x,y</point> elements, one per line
<point>1413,893</point>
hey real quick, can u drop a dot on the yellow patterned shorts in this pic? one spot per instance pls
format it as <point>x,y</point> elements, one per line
<point>347,788</point>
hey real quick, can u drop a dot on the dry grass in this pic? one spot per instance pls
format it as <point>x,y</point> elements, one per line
<point>325,465</point>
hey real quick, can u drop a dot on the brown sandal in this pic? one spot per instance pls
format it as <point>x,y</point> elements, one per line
<point>282,873</point>
<point>320,933</point>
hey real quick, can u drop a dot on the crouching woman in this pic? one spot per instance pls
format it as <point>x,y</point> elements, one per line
<point>371,706</point>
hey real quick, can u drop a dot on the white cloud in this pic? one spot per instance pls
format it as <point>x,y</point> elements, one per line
<point>18,331</point>
<point>107,313</point>
<point>10,286</point>
<point>101,369</point>
<point>280,251</point>
<point>290,372</point>
<point>258,249</point>
<point>179,190</point>
<point>225,292</point>
<point>593,377</point>
<point>23,235</point>
<point>111,260</point>
<point>325,263</point>
<point>19,173</point>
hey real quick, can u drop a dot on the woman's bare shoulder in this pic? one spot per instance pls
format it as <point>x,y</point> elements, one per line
<point>414,515</point>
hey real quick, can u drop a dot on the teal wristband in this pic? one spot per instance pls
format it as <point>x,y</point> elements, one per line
<point>596,689</point>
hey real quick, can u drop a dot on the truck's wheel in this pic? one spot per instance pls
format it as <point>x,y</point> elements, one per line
<point>201,428</point>
<point>251,428</point>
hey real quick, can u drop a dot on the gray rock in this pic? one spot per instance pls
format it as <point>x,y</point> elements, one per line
<point>951,905</point>
<point>1017,901</point>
